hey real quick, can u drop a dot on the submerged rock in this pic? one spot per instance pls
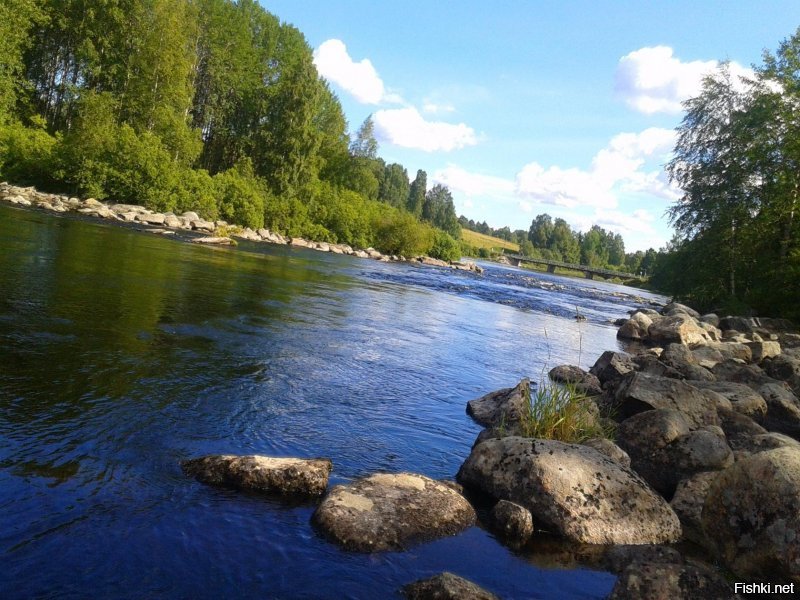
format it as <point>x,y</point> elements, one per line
<point>288,476</point>
<point>512,522</point>
<point>573,490</point>
<point>391,512</point>
<point>446,586</point>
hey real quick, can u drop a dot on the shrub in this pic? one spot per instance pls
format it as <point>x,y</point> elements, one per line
<point>241,195</point>
<point>28,155</point>
<point>398,232</point>
<point>444,247</point>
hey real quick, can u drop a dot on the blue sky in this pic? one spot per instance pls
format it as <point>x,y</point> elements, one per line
<point>528,107</point>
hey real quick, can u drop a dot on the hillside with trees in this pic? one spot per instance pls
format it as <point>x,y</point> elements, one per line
<point>737,160</point>
<point>212,106</point>
<point>556,240</point>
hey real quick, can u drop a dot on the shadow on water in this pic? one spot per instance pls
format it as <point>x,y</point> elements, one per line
<point>122,353</point>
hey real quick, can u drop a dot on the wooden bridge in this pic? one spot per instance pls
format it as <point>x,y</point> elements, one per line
<point>589,272</point>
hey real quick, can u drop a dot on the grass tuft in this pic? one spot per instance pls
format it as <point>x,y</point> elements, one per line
<point>560,412</point>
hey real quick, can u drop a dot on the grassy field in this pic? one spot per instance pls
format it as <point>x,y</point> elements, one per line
<point>479,240</point>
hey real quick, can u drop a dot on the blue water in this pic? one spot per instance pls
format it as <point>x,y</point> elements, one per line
<point>123,352</point>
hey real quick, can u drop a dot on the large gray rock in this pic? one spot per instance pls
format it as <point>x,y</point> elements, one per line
<point>610,449</point>
<point>611,366</point>
<point>783,409</point>
<point>652,365</point>
<point>288,476</point>
<point>578,378</point>
<point>446,586</point>
<point>503,407</point>
<point>764,349</point>
<point>687,502</point>
<point>639,392</point>
<point>785,368</point>
<point>737,372</point>
<point>635,328</point>
<point>391,512</point>
<point>664,449</point>
<point>752,516</point>
<point>573,490</point>
<point>743,399</point>
<point>738,428</point>
<point>678,329</point>
<point>677,307</point>
<point>660,581</point>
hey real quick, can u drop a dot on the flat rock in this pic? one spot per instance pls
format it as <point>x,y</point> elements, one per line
<point>391,512</point>
<point>743,399</point>
<point>573,490</point>
<point>446,586</point>
<point>221,241</point>
<point>274,475</point>
<point>678,329</point>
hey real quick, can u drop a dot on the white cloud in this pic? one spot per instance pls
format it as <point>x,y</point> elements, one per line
<point>360,79</point>
<point>407,128</point>
<point>435,108</point>
<point>652,80</point>
<point>617,167</point>
<point>472,184</point>
<point>640,222</point>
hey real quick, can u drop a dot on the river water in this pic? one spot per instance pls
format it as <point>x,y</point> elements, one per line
<point>122,353</point>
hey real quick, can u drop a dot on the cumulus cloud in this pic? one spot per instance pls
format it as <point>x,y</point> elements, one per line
<point>407,128</point>
<point>472,184</point>
<point>618,166</point>
<point>360,79</point>
<point>652,79</point>
<point>639,222</point>
<point>437,108</point>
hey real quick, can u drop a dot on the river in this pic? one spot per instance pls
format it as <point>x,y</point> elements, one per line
<point>122,353</point>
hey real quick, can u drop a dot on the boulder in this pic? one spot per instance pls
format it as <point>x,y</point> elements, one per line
<point>639,392</point>
<point>635,328</point>
<point>512,523</point>
<point>581,380</point>
<point>220,241</point>
<point>503,407</point>
<point>681,358</point>
<point>763,442</point>
<point>701,450</point>
<point>677,308</point>
<point>573,490</point>
<point>784,368</point>
<point>687,502</point>
<point>752,516</point>
<point>761,350</point>
<point>783,409</point>
<point>678,329</point>
<point>285,476</point>
<point>611,366</point>
<point>617,558</point>
<point>710,318</point>
<point>391,512</point>
<point>151,219</point>
<point>446,586</point>
<point>172,221</point>
<point>743,399</point>
<point>609,449</point>
<point>661,581</point>
<point>707,356</point>
<point>646,438</point>
<point>652,365</point>
<point>738,428</point>
<point>741,324</point>
<point>738,372</point>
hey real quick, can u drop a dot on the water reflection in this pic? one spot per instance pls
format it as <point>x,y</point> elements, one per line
<point>122,353</point>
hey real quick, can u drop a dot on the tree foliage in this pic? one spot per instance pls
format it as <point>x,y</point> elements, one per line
<point>737,160</point>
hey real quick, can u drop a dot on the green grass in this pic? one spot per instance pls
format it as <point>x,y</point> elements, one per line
<point>559,412</point>
<point>480,240</point>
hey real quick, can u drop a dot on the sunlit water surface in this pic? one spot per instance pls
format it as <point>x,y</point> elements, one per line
<point>123,352</point>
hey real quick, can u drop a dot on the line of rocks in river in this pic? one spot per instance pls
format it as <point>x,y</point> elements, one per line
<point>169,223</point>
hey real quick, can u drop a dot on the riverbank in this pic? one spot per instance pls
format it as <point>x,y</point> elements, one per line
<point>193,228</point>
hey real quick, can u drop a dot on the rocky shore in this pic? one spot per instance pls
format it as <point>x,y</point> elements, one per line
<point>197,229</point>
<point>699,487</point>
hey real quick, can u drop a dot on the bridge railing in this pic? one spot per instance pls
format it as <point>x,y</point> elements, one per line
<point>573,266</point>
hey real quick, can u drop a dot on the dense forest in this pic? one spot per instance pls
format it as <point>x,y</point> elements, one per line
<point>556,240</point>
<point>213,106</point>
<point>737,160</point>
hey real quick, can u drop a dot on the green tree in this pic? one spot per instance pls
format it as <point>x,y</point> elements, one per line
<point>365,145</point>
<point>540,233</point>
<point>416,193</point>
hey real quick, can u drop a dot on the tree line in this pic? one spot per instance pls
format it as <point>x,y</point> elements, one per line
<point>556,240</point>
<point>737,160</point>
<point>213,106</point>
